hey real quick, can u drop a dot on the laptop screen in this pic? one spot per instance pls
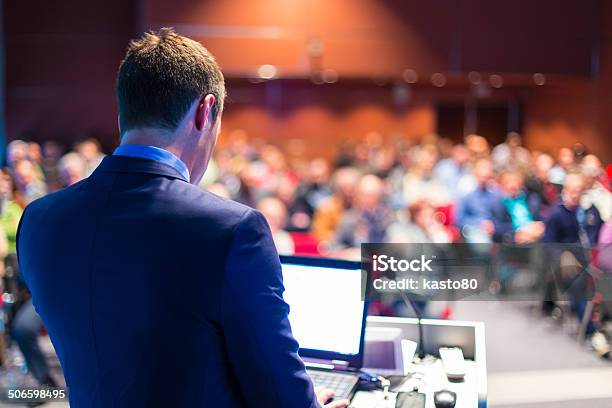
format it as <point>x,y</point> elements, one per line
<point>326,308</point>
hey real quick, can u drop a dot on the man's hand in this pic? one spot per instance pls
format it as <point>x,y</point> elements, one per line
<point>323,395</point>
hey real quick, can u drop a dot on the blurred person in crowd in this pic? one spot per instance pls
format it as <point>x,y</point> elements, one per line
<point>478,146</point>
<point>541,193</point>
<point>565,163</point>
<point>3,254</point>
<point>361,158</point>
<point>35,156</point>
<point>299,211</point>
<point>16,150</point>
<point>228,174</point>
<point>579,150</point>
<point>477,211</point>
<point>597,187</point>
<point>35,152</point>
<point>91,152</point>
<point>51,152</point>
<point>29,185</point>
<point>568,222</point>
<point>368,220</point>
<point>328,215</point>
<point>345,154</point>
<point>361,155</point>
<point>247,185</point>
<point>10,214</point>
<point>267,172</point>
<point>25,326</point>
<point>276,214</point>
<point>454,172</point>
<point>72,168</point>
<point>10,211</point>
<point>510,153</point>
<point>604,259</point>
<point>395,179</point>
<point>383,161</point>
<point>316,189</point>
<point>445,148</point>
<point>421,183</point>
<point>420,226</point>
<point>516,222</point>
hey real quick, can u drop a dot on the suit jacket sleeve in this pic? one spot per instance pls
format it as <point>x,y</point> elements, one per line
<point>255,324</point>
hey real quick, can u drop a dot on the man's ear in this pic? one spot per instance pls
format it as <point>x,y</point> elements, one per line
<point>203,111</point>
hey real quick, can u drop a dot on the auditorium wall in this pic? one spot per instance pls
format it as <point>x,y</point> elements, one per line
<point>61,64</point>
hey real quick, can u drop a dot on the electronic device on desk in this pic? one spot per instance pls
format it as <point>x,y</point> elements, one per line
<point>328,317</point>
<point>453,363</point>
<point>445,399</point>
<point>386,352</point>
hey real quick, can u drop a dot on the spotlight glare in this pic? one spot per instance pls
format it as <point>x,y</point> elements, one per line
<point>438,79</point>
<point>474,77</point>
<point>267,71</point>
<point>496,81</point>
<point>330,76</point>
<point>539,79</point>
<point>410,76</point>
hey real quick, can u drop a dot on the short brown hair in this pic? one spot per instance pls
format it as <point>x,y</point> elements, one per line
<point>161,76</point>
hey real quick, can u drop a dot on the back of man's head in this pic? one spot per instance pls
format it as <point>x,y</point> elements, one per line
<point>162,75</point>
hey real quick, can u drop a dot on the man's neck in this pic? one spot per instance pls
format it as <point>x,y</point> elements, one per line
<point>161,139</point>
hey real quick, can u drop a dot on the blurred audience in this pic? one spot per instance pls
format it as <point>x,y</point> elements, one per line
<point>374,191</point>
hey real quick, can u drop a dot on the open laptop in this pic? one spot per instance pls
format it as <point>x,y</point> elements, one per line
<point>327,316</point>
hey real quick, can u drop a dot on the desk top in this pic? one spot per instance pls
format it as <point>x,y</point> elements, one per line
<point>429,376</point>
<point>432,379</point>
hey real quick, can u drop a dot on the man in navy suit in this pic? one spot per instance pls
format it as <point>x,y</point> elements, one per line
<point>154,292</point>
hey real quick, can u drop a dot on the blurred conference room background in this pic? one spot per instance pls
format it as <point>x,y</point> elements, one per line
<point>351,121</point>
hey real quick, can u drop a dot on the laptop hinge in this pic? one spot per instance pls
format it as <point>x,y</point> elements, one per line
<point>338,365</point>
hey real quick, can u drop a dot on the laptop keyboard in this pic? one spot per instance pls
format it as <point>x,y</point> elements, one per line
<point>341,384</point>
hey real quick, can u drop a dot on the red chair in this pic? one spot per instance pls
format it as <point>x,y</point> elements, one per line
<point>446,215</point>
<point>305,243</point>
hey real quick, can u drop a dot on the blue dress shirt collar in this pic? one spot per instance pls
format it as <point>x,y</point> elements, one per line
<point>153,153</point>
